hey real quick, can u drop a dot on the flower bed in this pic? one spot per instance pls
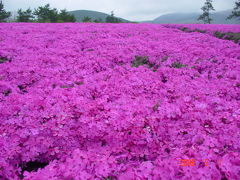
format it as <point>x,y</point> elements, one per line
<point>226,32</point>
<point>117,101</point>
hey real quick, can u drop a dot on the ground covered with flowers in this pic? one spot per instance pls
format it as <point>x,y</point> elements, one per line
<point>227,32</point>
<point>118,101</point>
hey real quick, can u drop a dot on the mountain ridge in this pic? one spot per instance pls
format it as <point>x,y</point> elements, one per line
<point>219,17</point>
<point>94,15</point>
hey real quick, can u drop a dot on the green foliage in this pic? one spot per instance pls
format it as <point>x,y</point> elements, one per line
<point>109,178</point>
<point>112,19</point>
<point>236,11</point>
<point>233,36</point>
<point>86,19</point>
<point>3,59</point>
<point>228,36</point>
<point>67,86</point>
<point>155,107</point>
<point>46,14</point>
<point>51,15</point>
<point>7,92</point>
<point>177,65</point>
<point>99,20</point>
<point>185,29</point>
<point>221,35</point>
<point>139,61</point>
<point>60,21</point>
<point>25,16</point>
<point>3,13</point>
<point>164,58</point>
<point>144,60</point>
<point>64,16</point>
<point>199,30</point>
<point>205,17</point>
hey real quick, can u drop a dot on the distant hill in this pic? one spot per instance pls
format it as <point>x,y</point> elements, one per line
<point>191,18</point>
<point>79,15</point>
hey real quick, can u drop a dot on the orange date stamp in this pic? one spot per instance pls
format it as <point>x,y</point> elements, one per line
<point>192,162</point>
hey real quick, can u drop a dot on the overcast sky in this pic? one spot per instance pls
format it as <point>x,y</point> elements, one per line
<point>135,10</point>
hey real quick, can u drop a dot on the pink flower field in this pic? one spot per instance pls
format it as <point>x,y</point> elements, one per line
<point>92,101</point>
<point>229,32</point>
<point>234,28</point>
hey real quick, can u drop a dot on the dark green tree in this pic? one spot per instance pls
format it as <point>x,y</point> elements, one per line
<point>25,16</point>
<point>236,11</point>
<point>64,16</point>
<point>205,17</point>
<point>3,13</point>
<point>46,14</point>
<point>99,20</point>
<point>112,18</point>
<point>86,19</point>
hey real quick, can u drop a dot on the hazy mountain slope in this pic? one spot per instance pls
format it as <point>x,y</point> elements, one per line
<point>220,18</point>
<point>185,18</point>
<point>176,18</point>
<point>79,15</point>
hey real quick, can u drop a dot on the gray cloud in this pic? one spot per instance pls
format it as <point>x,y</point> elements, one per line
<point>129,9</point>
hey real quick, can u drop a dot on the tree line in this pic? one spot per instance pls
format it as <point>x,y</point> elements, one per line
<point>46,14</point>
<point>52,15</point>
<point>40,14</point>
<point>109,19</point>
